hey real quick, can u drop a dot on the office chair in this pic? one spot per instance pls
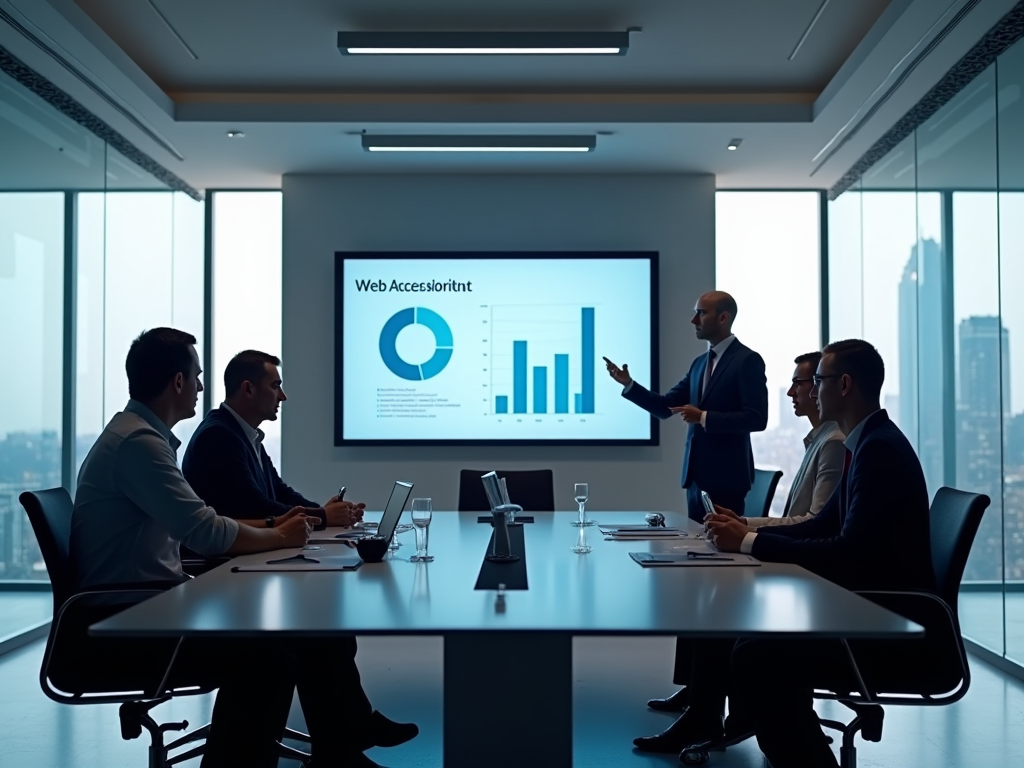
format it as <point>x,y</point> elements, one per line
<point>49,513</point>
<point>954,518</point>
<point>759,498</point>
<point>532,489</point>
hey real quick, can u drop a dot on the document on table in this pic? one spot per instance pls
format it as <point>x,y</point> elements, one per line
<point>640,532</point>
<point>692,557</point>
<point>303,562</point>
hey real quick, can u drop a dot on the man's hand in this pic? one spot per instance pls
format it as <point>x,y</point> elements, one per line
<point>691,413</point>
<point>728,513</point>
<point>726,533</point>
<point>621,375</point>
<point>343,513</point>
<point>293,527</point>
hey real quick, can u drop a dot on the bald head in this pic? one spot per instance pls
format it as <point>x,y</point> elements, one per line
<point>713,316</point>
<point>723,303</point>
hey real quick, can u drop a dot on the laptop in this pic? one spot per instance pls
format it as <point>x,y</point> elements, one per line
<point>393,510</point>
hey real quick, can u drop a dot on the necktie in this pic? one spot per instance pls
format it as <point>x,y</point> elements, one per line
<point>707,372</point>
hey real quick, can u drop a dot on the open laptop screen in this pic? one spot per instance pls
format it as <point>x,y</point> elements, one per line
<point>393,511</point>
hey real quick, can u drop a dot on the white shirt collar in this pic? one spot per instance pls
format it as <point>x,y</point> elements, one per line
<point>140,409</point>
<point>854,437</point>
<point>255,436</point>
<point>723,345</point>
<point>821,432</point>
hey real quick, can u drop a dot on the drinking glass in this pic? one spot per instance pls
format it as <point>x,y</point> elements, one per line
<point>581,494</point>
<point>421,520</point>
<point>582,547</point>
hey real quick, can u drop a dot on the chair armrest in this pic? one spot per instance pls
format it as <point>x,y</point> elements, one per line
<point>107,600</point>
<point>942,649</point>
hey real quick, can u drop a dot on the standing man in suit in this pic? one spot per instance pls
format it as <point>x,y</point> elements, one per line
<point>723,398</point>
<point>226,463</point>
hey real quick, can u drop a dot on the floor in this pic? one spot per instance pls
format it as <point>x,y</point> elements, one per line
<point>613,678</point>
<point>23,609</point>
<point>981,618</point>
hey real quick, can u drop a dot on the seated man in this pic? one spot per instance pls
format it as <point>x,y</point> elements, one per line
<point>226,463</point>
<point>873,534</point>
<point>817,477</point>
<point>132,510</point>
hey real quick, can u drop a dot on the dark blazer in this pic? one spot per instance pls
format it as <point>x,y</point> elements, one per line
<point>873,533</point>
<point>718,458</point>
<point>222,469</point>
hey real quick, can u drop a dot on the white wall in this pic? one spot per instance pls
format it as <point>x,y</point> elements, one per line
<point>674,215</point>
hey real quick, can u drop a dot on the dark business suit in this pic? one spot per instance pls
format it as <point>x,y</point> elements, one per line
<point>718,457</point>
<point>221,466</point>
<point>872,534</point>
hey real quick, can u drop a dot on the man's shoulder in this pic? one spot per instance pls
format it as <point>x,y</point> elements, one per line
<point>126,425</point>
<point>217,423</point>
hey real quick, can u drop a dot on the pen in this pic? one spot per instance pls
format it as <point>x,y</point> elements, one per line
<point>341,493</point>
<point>707,556</point>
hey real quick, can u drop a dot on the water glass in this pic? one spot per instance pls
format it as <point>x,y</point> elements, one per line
<point>581,494</point>
<point>421,514</point>
<point>582,547</point>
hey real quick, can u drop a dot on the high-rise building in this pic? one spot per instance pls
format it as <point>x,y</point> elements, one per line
<point>984,385</point>
<point>922,359</point>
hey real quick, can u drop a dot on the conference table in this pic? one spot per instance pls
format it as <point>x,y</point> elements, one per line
<point>508,662</point>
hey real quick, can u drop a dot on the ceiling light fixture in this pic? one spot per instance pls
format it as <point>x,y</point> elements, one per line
<point>236,135</point>
<point>479,143</point>
<point>734,145</point>
<point>483,43</point>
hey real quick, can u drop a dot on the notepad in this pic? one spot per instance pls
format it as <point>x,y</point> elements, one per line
<point>691,558</point>
<point>303,562</point>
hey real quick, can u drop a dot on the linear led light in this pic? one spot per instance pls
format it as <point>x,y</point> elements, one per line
<point>483,43</point>
<point>479,143</point>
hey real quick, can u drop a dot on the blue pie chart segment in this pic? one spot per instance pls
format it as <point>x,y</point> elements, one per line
<point>442,341</point>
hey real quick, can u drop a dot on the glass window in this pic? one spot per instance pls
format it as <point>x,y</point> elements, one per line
<point>140,257</point>
<point>247,290</point>
<point>1010,80</point>
<point>768,257</point>
<point>32,314</point>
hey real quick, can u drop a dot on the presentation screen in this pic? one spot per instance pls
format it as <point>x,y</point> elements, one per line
<point>499,348</point>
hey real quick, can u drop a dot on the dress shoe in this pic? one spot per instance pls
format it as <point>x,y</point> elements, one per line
<point>382,732</point>
<point>689,728</point>
<point>675,703</point>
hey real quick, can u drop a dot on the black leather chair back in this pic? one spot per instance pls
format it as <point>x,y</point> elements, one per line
<point>759,498</point>
<point>954,520</point>
<point>533,490</point>
<point>49,512</point>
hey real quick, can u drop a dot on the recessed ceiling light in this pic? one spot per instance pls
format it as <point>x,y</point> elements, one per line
<point>236,135</point>
<point>479,143</point>
<point>734,145</point>
<point>483,43</point>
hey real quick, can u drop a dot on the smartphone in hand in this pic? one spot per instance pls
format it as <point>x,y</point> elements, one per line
<point>709,508</point>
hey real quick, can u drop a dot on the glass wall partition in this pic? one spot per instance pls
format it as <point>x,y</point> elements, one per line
<point>926,261</point>
<point>93,250</point>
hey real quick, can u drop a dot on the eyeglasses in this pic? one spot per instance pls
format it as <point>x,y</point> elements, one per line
<point>802,379</point>
<point>817,378</point>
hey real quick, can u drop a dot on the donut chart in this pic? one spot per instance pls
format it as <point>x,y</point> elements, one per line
<point>442,340</point>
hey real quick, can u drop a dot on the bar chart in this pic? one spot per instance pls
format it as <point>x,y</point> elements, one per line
<point>539,355</point>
